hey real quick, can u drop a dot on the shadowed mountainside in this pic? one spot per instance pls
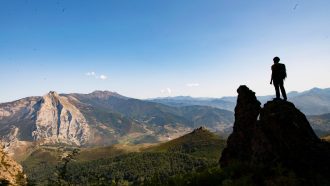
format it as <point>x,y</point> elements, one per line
<point>320,124</point>
<point>281,137</point>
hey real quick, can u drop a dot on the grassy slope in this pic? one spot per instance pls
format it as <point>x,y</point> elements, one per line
<point>51,155</point>
<point>200,143</point>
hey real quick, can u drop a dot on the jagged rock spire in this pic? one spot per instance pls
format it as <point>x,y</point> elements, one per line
<point>282,136</point>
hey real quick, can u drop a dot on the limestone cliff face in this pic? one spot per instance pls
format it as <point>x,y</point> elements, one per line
<point>281,136</point>
<point>49,119</point>
<point>57,120</point>
<point>10,171</point>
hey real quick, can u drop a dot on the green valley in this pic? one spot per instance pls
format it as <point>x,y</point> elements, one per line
<point>125,164</point>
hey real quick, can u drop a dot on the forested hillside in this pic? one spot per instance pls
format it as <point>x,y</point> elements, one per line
<point>194,152</point>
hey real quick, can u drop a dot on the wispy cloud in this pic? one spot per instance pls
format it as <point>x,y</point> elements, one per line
<point>192,84</point>
<point>93,74</point>
<point>103,77</point>
<point>166,91</point>
<point>90,74</point>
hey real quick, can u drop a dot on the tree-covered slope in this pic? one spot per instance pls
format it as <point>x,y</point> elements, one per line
<point>126,164</point>
<point>200,143</point>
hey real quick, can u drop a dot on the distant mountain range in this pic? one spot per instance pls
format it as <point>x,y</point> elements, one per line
<point>101,118</point>
<point>105,118</point>
<point>227,103</point>
<point>315,101</point>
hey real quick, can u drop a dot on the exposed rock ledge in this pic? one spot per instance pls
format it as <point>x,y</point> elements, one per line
<point>11,172</point>
<point>276,135</point>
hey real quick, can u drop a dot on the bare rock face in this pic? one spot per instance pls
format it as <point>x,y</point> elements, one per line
<point>18,109</point>
<point>282,136</point>
<point>58,120</point>
<point>47,120</point>
<point>10,171</point>
<point>17,121</point>
<point>246,114</point>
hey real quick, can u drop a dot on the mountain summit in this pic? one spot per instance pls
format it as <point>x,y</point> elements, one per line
<point>104,94</point>
<point>281,137</point>
<point>58,120</point>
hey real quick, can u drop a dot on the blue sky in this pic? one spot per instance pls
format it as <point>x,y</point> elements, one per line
<point>155,48</point>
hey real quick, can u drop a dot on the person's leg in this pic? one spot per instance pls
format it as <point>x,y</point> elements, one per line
<point>276,85</point>
<point>283,90</point>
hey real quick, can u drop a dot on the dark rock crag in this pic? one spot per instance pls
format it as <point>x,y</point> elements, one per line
<point>276,135</point>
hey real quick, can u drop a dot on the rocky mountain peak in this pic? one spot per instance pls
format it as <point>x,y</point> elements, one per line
<point>105,94</point>
<point>52,93</point>
<point>281,136</point>
<point>52,98</point>
<point>58,120</point>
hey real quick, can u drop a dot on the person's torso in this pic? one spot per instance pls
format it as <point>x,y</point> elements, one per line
<point>277,71</point>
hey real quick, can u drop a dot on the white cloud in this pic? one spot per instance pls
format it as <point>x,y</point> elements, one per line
<point>192,84</point>
<point>166,91</point>
<point>93,74</point>
<point>103,77</point>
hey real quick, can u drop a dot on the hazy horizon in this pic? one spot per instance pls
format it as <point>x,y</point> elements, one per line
<point>150,49</point>
<point>160,97</point>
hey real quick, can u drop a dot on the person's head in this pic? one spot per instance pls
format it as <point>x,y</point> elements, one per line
<point>276,59</point>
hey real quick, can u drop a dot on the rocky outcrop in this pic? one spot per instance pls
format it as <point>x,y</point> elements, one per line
<point>10,172</point>
<point>47,120</point>
<point>58,120</point>
<point>246,114</point>
<point>281,136</point>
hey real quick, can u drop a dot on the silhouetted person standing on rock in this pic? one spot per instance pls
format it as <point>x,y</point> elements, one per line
<point>278,76</point>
